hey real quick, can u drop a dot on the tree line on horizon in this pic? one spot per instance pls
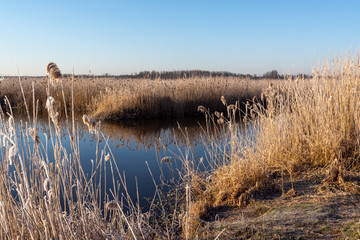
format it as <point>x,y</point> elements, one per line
<point>274,74</point>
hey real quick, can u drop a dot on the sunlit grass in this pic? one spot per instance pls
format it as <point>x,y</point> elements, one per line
<point>286,129</point>
<point>308,126</point>
<point>114,99</point>
<point>45,196</point>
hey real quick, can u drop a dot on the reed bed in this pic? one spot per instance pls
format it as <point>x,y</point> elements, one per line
<point>45,196</point>
<point>287,128</point>
<point>171,98</point>
<point>308,127</point>
<point>114,99</point>
<point>84,90</point>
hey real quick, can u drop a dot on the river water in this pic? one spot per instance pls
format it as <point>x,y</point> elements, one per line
<point>138,148</point>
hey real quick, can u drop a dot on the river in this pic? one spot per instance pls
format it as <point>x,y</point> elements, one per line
<point>137,147</point>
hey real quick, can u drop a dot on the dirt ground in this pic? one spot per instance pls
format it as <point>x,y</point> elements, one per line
<point>315,210</point>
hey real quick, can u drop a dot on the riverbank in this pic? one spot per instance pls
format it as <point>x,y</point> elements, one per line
<point>308,126</point>
<point>115,99</point>
<point>313,209</point>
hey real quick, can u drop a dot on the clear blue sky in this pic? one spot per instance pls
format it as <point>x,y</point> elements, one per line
<point>122,37</point>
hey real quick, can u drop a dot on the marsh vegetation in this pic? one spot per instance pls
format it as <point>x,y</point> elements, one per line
<point>115,99</point>
<point>307,133</point>
<point>296,138</point>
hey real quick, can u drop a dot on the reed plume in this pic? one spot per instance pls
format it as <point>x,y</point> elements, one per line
<point>91,123</point>
<point>54,73</point>
<point>52,110</point>
<point>166,159</point>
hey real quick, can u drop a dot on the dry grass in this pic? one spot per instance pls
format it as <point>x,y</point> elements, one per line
<point>307,126</point>
<point>84,90</point>
<point>111,99</point>
<point>299,126</point>
<point>42,198</point>
<point>170,98</point>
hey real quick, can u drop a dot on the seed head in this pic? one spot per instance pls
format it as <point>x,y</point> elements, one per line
<point>52,110</point>
<point>91,123</point>
<point>54,73</point>
<point>220,121</point>
<point>223,100</point>
<point>201,109</point>
<point>166,160</point>
<point>111,205</point>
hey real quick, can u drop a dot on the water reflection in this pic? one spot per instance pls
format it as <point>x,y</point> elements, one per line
<point>147,134</point>
<point>133,144</point>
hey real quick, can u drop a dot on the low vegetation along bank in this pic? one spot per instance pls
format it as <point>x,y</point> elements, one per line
<point>114,99</point>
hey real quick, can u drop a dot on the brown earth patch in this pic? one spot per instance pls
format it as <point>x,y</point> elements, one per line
<point>314,209</point>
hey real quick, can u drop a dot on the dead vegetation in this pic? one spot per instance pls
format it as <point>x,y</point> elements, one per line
<point>307,214</point>
<point>300,126</point>
<point>280,173</point>
<point>114,99</point>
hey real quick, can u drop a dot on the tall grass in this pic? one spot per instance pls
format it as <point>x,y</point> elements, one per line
<point>46,196</point>
<point>110,99</point>
<point>301,125</point>
<point>170,98</point>
<point>308,126</point>
<point>85,89</point>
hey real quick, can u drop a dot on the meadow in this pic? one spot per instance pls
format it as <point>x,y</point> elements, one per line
<point>296,138</point>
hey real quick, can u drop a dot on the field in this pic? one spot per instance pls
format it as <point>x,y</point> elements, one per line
<point>281,172</point>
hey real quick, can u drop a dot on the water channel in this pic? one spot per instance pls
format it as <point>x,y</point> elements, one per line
<point>137,146</point>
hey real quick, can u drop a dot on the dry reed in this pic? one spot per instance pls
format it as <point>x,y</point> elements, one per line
<point>113,99</point>
<point>54,73</point>
<point>93,126</point>
<point>42,198</point>
<point>303,125</point>
<point>171,98</point>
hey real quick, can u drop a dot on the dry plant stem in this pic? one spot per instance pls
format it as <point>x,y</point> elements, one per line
<point>23,94</point>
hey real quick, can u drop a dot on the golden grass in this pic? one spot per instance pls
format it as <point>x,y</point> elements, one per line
<point>302,125</point>
<point>84,90</point>
<point>307,126</point>
<point>114,99</point>
<point>170,98</point>
<point>45,199</point>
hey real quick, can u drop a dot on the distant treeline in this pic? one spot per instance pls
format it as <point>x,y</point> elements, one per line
<point>190,74</point>
<point>197,73</point>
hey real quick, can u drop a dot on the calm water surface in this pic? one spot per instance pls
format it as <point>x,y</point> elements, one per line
<point>133,143</point>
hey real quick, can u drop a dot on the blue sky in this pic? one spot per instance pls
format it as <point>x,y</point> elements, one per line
<point>123,37</point>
